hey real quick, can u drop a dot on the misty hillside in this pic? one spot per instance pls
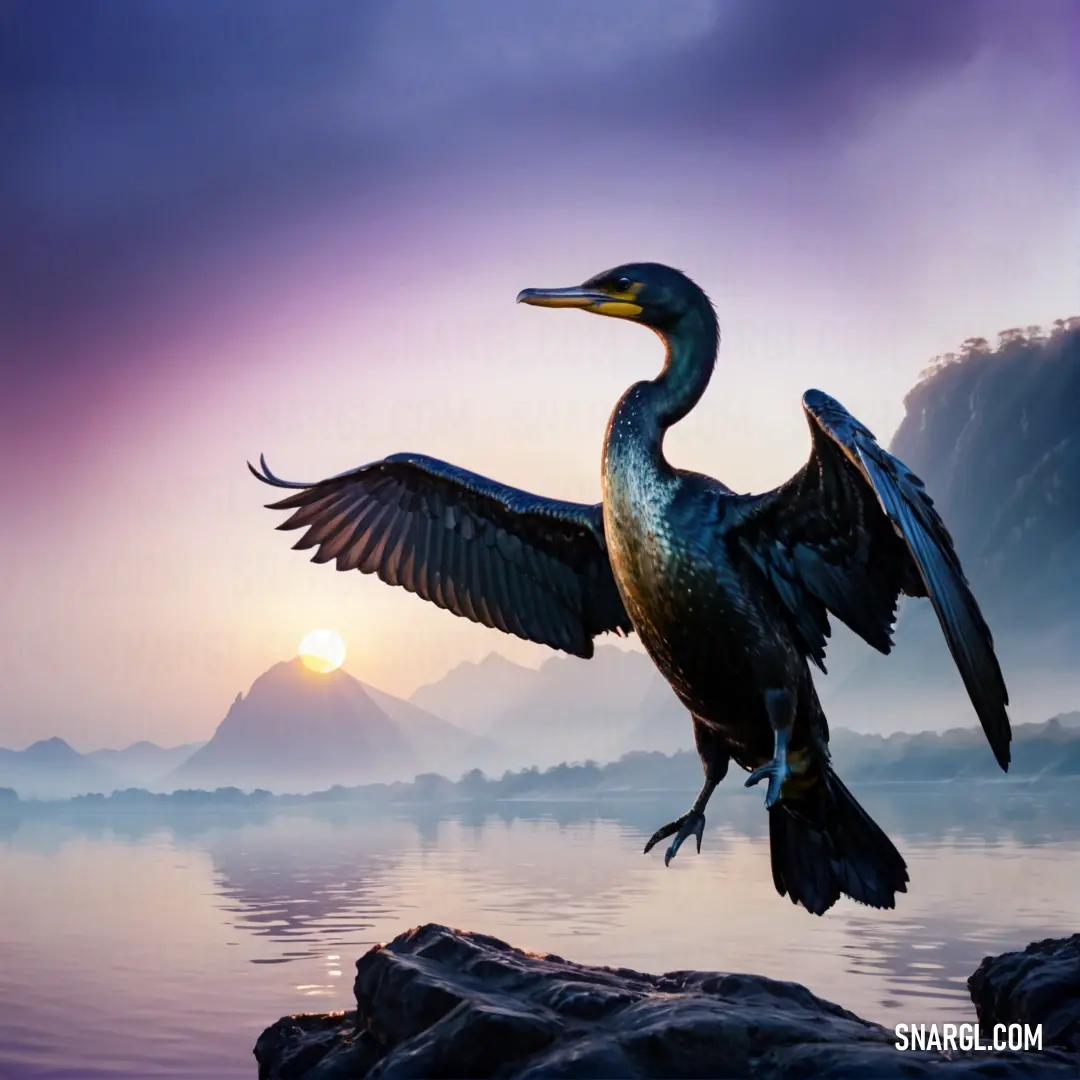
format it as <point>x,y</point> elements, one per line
<point>995,435</point>
<point>568,709</point>
<point>579,709</point>
<point>958,760</point>
<point>297,729</point>
<point>475,695</point>
<point>144,763</point>
<point>437,743</point>
<point>51,769</point>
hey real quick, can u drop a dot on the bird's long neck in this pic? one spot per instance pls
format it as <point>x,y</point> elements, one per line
<point>634,444</point>
<point>688,366</point>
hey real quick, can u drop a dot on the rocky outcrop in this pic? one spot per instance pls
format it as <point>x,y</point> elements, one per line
<point>437,1002</point>
<point>1039,985</point>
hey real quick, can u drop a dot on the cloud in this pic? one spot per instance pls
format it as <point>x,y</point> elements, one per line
<point>139,130</point>
<point>211,214</point>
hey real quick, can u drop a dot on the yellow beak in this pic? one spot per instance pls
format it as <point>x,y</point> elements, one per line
<point>577,296</point>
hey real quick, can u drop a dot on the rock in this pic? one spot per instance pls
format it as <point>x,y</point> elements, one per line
<point>437,1002</point>
<point>1038,985</point>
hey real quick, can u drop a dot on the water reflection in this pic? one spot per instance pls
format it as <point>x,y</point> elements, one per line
<point>221,922</point>
<point>991,869</point>
<point>300,881</point>
<point>927,960</point>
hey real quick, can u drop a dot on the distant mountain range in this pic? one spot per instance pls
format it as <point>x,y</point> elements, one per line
<point>954,760</point>
<point>297,730</point>
<point>567,710</point>
<point>474,696</point>
<point>144,762</point>
<point>993,433</point>
<point>51,769</point>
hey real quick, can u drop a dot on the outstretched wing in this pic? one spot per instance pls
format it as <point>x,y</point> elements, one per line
<point>526,565</point>
<point>852,530</point>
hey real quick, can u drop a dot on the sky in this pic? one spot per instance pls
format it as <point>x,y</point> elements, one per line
<point>298,227</point>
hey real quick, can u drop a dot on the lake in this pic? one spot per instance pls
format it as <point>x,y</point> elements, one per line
<point>161,947</point>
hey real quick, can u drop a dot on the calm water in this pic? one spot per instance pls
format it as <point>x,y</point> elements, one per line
<point>132,947</point>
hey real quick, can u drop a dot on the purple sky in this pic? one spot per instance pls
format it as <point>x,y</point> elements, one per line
<point>299,227</point>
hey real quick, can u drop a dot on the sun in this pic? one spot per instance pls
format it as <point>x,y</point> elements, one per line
<point>322,651</point>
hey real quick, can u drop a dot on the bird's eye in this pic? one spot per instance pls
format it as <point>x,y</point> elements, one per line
<point>623,284</point>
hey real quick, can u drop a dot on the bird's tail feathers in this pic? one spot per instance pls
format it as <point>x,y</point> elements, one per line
<point>823,844</point>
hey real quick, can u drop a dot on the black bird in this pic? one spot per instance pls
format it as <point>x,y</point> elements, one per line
<point>730,594</point>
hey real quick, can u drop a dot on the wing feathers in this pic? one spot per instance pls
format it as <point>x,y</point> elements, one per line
<point>852,531</point>
<point>966,633</point>
<point>529,566</point>
<point>910,511</point>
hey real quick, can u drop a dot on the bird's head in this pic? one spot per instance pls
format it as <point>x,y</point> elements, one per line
<point>649,293</point>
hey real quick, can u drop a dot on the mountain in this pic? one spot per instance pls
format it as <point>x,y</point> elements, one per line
<point>954,763</point>
<point>439,745</point>
<point>144,763</point>
<point>568,709</point>
<point>300,730</point>
<point>295,730</point>
<point>993,433</point>
<point>664,725</point>
<point>51,769</point>
<point>474,696</point>
<point>575,709</point>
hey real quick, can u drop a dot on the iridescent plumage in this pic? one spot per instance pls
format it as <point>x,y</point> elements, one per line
<point>730,594</point>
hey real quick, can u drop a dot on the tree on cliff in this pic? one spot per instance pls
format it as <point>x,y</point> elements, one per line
<point>993,432</point>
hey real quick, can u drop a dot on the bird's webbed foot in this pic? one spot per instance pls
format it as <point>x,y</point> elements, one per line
<point>776,770</point>
<point>692,823</point>
<point>780,705</point>
<point>715,758</point>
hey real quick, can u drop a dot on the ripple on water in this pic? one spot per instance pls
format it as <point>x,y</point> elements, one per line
<point>209,933</point>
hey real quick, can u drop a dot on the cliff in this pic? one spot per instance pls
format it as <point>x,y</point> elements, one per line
<point>996,438</point>
<point>993,433</point>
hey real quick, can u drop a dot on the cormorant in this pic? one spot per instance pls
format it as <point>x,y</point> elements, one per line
<point>730,594</point>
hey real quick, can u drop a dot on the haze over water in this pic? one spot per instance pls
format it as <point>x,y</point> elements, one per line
<point>138,947</point>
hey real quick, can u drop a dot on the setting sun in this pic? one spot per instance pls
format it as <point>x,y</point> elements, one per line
<point>322,651</point>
